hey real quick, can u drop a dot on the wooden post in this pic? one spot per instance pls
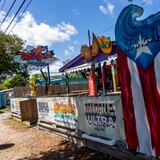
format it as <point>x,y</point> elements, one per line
<point>67,82</point>
<point>89,38</point>
<point>49,77</point>
<point>113,77</point>
<point>46,82</point>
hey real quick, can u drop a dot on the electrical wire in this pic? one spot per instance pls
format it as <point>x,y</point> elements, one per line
<point>15,15</point>
<point>3,5</point>
<point>20,16</point>
<point>108,28</point>
<point>7,13</point>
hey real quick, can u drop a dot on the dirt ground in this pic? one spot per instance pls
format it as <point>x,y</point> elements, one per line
<point>19,142</point>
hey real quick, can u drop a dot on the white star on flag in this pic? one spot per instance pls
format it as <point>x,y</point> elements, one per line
<point>142,49</point>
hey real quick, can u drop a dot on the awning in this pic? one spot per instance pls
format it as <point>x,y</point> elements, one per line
<point>78,60</point>
<point>78,68</point>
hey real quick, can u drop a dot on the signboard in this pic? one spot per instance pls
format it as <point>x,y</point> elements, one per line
<point>36,58</point>
<point>101,116</point>
<point>45,109</point>
<point>105,44</point>
<point>58,110</point>
<point>65,111</point>
<point>91,85</point>
<point>15,105</point>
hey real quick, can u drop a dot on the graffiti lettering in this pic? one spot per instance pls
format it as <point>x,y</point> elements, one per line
<point>38,57</point>
<point>154,36</point>
<point>100,114</point>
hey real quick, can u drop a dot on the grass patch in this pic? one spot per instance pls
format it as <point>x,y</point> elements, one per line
<point>17,122</point>
<point>5,109</point>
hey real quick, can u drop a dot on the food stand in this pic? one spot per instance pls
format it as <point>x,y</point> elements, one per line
<point>120,120</point>
<point>96,118</point>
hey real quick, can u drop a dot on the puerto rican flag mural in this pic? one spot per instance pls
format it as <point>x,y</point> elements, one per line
<point>138,49</point>
<point>141,104</point>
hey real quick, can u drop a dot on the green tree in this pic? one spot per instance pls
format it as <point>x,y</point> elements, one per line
<point>9,46</point>
<point>16,81</point>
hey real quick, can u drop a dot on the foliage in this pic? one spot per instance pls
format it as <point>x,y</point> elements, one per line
<point>9,46</point>
<point>75,75</point>
<point>18,80</point>
<point>6,84</point>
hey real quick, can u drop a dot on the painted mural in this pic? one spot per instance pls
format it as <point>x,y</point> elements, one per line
<point>101,116</point>
<point>45,111</point>
<point>65,111</point>
<point>15,107</point>
<point>138,49</point>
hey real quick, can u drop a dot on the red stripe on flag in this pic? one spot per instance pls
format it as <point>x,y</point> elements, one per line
<point>152,104</point>
<point>127,101</point>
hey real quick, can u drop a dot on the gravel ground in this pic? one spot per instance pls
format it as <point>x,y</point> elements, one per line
<point>19,142</point>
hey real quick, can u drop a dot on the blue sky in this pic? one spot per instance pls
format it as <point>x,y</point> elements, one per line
<point>63,24</point>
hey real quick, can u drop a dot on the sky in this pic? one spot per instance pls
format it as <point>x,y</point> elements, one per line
<point>63,24</point>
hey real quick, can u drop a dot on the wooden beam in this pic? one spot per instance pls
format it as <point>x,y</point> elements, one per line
<point>116,152</point>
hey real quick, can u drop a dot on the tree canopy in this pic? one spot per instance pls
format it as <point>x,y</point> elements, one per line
<point>9,46</point>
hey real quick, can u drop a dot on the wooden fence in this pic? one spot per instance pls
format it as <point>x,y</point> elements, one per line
<point>52,90</point>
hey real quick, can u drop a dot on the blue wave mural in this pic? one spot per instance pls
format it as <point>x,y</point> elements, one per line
<point>138,39</point>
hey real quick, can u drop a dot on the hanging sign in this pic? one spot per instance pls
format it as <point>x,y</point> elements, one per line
<point>36,58</point>
<point>86,52</point>
<point>105,44</point>
<point>91,85</point>
<point>138,39</point>
<point>95,45</point>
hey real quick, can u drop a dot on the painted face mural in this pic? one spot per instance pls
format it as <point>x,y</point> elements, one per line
<point>138,39</point>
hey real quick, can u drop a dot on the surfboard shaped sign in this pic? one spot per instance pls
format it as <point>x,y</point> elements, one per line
<point>36,58</point>
<point>138,39</point>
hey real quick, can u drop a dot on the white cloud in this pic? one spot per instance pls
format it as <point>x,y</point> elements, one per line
<point>76,12</point>
<point>70,51</point>
<point>35,33</point>
<point>76,42</point>
<point>71,48</point>
<point>54,68</point>
<point>148,1</point>
<point>110,8</point>
<point>103,9</point>
<point>107,9</point>
<point>66,52</point>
